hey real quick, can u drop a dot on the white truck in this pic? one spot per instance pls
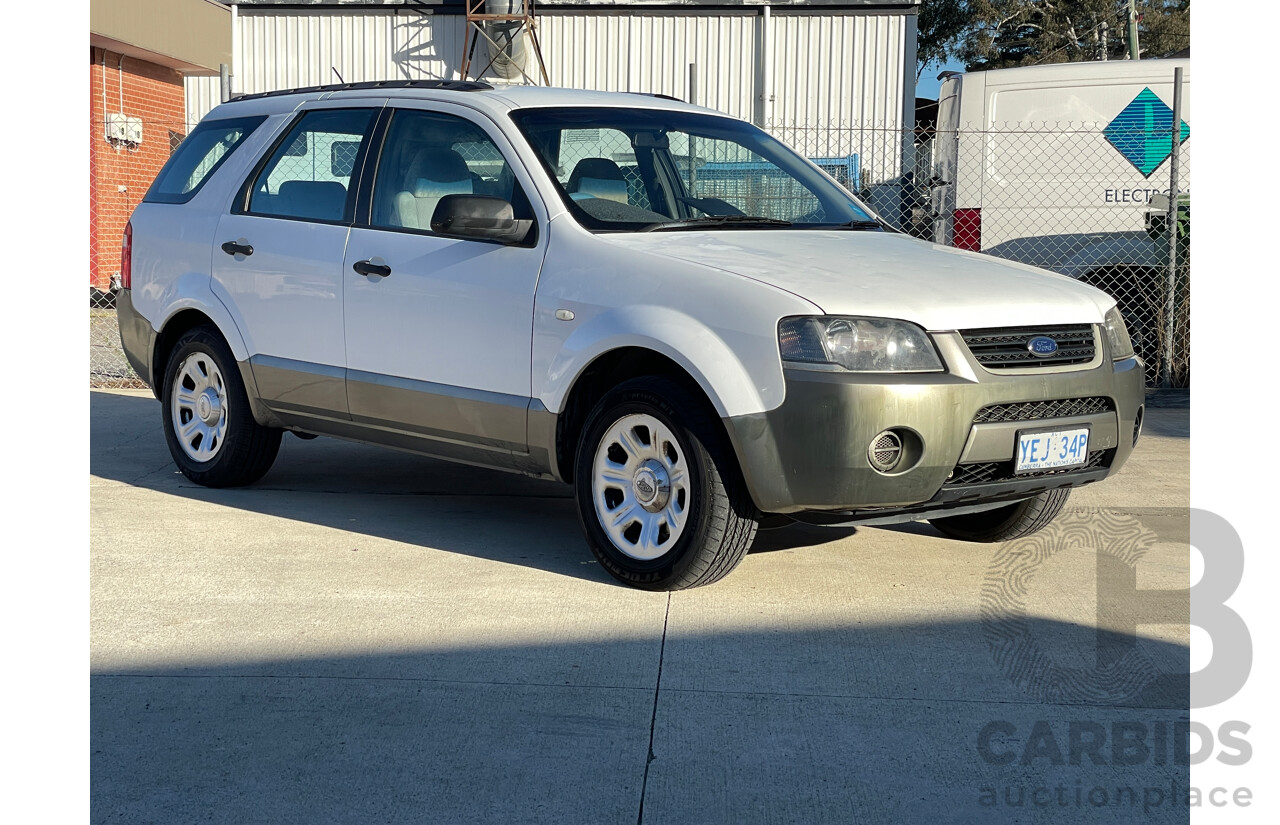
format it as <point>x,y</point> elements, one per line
<point>1055,166</point>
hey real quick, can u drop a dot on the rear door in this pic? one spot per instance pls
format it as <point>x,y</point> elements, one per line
<point>277,257</point>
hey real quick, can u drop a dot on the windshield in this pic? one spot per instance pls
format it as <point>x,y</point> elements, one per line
<point>653,170</point>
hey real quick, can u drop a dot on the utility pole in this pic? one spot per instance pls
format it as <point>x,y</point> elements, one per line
<point>1133,30</point>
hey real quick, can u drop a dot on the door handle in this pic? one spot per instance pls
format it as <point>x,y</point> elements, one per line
<point>370,268</point>
<point>235,248</point>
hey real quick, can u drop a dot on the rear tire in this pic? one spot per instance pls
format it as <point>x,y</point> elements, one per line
<point>660,497</point>
<point>208,423</point>
<point>1006,523</point>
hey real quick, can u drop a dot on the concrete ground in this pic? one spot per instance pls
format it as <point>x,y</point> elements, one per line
<point>368,636</point>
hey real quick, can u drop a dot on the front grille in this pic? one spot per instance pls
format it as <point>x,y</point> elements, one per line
<point>1004,348</point>
<point>1038,410</point>
<point>974,473</point>
<point>965,474</point>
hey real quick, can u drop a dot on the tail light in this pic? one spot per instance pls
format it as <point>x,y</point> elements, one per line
<point>967,233</point>
<point>126,258</point>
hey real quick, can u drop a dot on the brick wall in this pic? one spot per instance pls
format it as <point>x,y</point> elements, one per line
<point>154,94</point>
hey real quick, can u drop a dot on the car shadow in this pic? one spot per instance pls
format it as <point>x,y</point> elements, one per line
<point>410,498</point>
<point>383,493</point>
<point>1167,422</point>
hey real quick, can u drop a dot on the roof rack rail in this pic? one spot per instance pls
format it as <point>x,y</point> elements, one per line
<point>447,85</point>
<point>658,95</point>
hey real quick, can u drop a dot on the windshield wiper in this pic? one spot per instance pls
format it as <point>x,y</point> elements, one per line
<point>861,225</point>
<point>715,220</point>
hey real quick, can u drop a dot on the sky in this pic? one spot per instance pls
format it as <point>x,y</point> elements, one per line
<point>928,84</point>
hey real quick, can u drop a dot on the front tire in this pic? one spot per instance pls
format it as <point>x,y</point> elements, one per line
<point>659,494</point>
<point>1014,521</point>
<point>208,424</point>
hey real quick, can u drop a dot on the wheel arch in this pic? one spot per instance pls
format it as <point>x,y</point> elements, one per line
<point>180,322</point>
<point>177,325</point>
<point>606,371</point>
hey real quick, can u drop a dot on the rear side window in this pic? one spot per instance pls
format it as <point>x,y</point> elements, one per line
<point>309,174</point>
<point>198,157</point>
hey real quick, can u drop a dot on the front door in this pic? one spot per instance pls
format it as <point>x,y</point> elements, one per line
<point>438,330</point>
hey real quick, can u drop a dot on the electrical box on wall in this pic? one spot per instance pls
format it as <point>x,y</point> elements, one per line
<point>116,127</point>
<point>124,129</point>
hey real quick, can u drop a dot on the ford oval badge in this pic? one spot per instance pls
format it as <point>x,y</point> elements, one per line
<point>1042,346</point>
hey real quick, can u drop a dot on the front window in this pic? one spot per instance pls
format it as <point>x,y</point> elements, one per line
<point>429,155</point>
<point>647,169</point>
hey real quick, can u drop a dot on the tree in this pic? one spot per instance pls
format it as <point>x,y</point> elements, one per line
<point>941,27</point>
<point>994,34</point>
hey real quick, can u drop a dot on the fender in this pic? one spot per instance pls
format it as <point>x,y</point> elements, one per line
<point>719,368</point>
<point>193,291</point>
<point>719,326</point>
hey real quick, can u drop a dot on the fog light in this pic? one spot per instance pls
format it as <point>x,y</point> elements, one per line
<point>1137,426</point>
<point>885,451</point>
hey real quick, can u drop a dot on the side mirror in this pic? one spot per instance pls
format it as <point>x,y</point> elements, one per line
<point>478,217</point>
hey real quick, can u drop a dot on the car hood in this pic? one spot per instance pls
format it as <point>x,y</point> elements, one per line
<point>886,275</point>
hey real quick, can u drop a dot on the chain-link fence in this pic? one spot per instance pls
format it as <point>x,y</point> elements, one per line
<point>1087,201</point>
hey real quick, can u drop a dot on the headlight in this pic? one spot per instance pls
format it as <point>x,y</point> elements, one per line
<point>858,344</point>
<point>1117,335</point>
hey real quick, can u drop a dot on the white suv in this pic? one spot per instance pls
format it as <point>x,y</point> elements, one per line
<point>659,304</point>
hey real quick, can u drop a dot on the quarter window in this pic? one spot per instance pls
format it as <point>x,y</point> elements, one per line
<point>198,156</point>
<point>309,174</point>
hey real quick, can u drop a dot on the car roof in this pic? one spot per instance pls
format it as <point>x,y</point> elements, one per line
<point>493,99</point>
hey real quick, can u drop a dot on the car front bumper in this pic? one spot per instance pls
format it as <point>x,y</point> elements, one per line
<point>811,453</point>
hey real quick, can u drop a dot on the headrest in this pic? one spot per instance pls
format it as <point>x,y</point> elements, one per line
<point>438,163</point>
<point>598,168</point>
<point>318,199</point>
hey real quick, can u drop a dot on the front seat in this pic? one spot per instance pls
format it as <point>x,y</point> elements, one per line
<point>597,178</point>
<point>433,173</point>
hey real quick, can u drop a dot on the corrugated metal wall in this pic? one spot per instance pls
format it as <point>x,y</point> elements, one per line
<point>287,49</point>
<point>836,78</point>
<point>652,53</point>
<point>838,88</point>
<point>837,70</point>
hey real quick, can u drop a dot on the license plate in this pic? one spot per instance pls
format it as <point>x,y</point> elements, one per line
<point>1051,450</point>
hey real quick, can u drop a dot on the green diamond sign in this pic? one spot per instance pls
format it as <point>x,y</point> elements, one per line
<point>1142,132</point>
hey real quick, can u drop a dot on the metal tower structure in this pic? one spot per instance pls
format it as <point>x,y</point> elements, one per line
<point>501,23</point>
